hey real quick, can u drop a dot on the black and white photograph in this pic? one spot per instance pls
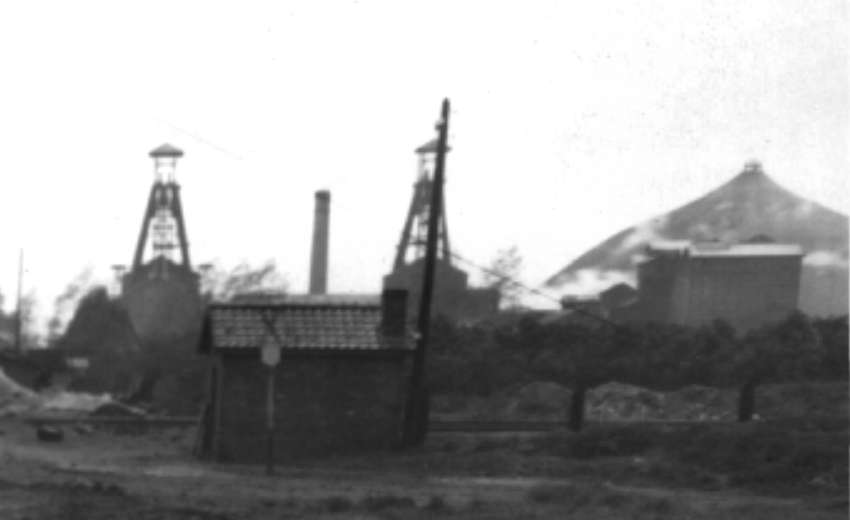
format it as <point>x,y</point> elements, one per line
<point>374,260</point>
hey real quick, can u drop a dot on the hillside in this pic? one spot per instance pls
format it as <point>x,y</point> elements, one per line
<point>748,205</point>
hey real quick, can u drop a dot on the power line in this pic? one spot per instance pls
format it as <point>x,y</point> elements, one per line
<point>506,278</point>
<point>532,290</point>
<point>200,139</point>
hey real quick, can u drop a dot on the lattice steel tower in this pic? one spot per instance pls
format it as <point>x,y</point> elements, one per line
<point>160,290</point>
<point>163,222</point>
<point>411,246</point>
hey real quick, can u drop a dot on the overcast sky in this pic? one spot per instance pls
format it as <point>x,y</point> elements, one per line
<point>570,121</point>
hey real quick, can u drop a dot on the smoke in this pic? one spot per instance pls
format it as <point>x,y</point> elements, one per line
<point>224,283</point>
<point>644,233</point>
<point>826,259</point>
<point>804,209</point>
<point>590,282</point>
<point>65,304</point>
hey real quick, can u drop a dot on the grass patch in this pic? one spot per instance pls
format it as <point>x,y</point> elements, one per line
<point>378,503</point>
<point>781,456</point>
<point>770,459</point>
<point>337,504</point>
<point>436,504</point>
<point>573,496</point>
<point>599,500</point>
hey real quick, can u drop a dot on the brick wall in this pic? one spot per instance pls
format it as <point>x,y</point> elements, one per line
<point>163,302</point>
<point>324,405</point>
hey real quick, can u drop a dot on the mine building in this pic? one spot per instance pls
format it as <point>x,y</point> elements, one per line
<point>746,284</point>
<point>453,297</point>
<point>339,387</point>
<point>161,291</point>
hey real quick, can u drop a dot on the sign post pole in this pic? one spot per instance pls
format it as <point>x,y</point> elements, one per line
<point>270,355</point>
<point>270,422</point>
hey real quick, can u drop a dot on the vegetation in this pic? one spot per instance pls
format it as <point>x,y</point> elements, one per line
<point>221,284</point>
<point>582,353</point>
<point>101,332</point>
<point>503,270</point>
<point>168,373</point>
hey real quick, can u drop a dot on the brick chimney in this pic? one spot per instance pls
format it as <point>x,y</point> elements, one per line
<point>394,312</point>
<point>319,254</point>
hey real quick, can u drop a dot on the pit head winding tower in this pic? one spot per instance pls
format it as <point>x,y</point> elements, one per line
<point>161,290</point>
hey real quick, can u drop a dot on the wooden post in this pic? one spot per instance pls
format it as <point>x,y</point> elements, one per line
<point>416,412</point>
<point>270,421</point>
<point>270,357</point>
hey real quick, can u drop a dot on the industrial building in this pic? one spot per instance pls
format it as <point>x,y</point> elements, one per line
<point>453,297</point>
<point>339,387</point>
<point>161,291</point>
<point>747,284</point>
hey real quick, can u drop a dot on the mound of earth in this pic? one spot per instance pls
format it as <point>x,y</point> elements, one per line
<point>14,398</point>
<point>749,205</point>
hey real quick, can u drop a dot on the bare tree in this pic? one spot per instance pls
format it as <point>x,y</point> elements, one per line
<point>222,284</point>
<point>502,275</point>
<point>65,304</point>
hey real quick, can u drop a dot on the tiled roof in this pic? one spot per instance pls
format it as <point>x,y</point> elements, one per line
<point>298,326</point>
<point>275,298</point>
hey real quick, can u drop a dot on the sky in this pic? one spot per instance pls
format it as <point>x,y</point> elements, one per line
<point>569,122</point>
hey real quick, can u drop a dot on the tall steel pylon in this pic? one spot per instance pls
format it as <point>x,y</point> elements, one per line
<point>411,246</point>
<point>163,222</point>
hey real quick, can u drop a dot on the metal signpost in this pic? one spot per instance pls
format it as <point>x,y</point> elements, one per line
<point>270,355</point>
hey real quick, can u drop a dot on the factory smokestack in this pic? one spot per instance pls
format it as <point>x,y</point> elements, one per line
<point>319,255</point>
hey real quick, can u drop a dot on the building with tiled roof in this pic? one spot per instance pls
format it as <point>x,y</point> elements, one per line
<point>340,385</point>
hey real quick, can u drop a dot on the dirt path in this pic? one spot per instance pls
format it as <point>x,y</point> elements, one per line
<point>152,476</point>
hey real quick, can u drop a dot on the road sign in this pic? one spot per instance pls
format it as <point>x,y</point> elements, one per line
<point>270,352</point>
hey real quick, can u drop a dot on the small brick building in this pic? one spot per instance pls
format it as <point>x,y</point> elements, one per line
<point>340,385</point>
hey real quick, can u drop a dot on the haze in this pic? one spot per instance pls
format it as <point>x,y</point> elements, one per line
<point>569,123</point>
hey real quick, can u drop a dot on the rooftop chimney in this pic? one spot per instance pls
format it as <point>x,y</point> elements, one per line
<point>319,255</point>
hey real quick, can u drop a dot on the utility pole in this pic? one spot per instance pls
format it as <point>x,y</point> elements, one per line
<point>416,417</point>
<point>19,346</point>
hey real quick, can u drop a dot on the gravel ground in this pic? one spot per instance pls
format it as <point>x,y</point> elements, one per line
<point>103,475</point>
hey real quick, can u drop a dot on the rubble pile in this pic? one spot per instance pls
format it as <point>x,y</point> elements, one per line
<point>15,399</point>
<point>548,401</point>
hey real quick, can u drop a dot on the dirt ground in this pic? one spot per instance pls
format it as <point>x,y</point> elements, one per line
<point>103,474</point>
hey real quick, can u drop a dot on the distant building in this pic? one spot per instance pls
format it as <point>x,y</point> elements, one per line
<point>580,309</point>
<point>340,384</point>
<point>453,298</point>
<point>747,284</point>
<point>618,296</point>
